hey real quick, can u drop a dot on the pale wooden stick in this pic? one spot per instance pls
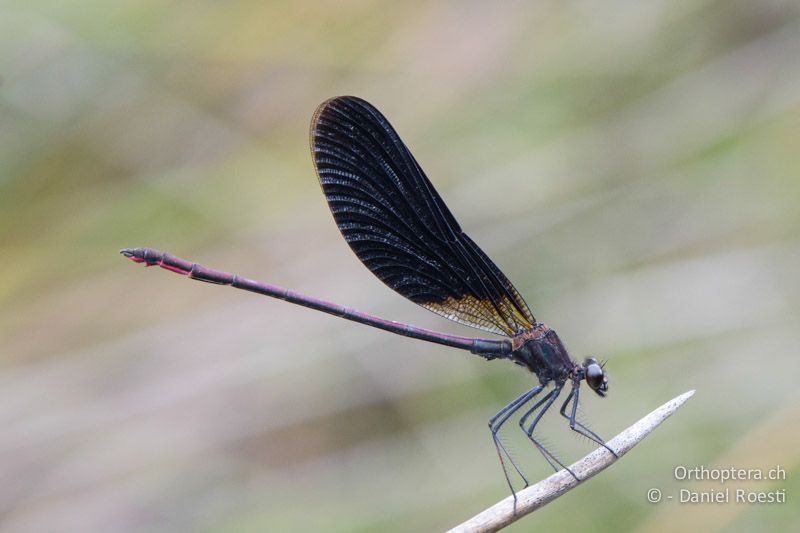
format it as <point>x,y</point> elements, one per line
<point>503,513</point>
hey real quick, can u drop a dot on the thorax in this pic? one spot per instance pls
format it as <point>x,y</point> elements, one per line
<point>542,352</point>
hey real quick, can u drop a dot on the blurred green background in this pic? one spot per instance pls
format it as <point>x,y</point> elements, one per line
<point>631,166</point>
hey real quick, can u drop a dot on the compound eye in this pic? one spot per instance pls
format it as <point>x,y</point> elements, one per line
<point>594,376</point>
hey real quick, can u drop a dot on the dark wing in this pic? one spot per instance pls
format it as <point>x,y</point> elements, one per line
<point>398,226</point>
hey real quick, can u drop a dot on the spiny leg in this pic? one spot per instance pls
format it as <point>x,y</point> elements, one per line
<point>497,421</point>
<point>494,428</point>
<point>547,401</point>
<point>572,417</point>
<point>514,405</point>
<point>546,453</point>
<point>576,426</point>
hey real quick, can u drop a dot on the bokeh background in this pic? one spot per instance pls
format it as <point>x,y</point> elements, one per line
<point>631,166</point>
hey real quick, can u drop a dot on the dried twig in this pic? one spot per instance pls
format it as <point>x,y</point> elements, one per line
<point>503,513</point>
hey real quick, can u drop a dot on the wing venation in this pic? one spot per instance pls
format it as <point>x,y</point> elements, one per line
<point>399,227</point>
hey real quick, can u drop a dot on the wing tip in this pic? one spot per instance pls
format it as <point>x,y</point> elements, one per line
<point>321,108</point>
<point>327,103</point>
<point>318,112</point>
